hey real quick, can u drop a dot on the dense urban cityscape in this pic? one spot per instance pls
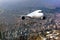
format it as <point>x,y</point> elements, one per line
<point>32,28</point>
<point>29,19</point>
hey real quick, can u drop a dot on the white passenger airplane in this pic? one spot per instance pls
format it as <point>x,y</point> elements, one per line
<point>35,14</point>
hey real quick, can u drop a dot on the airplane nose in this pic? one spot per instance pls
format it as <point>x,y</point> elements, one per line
<point>23,17</point>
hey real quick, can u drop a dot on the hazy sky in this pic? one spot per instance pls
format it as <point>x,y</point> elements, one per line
<point>32,3</point>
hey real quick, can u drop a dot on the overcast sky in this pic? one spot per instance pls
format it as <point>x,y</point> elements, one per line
<point>32,3</point>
